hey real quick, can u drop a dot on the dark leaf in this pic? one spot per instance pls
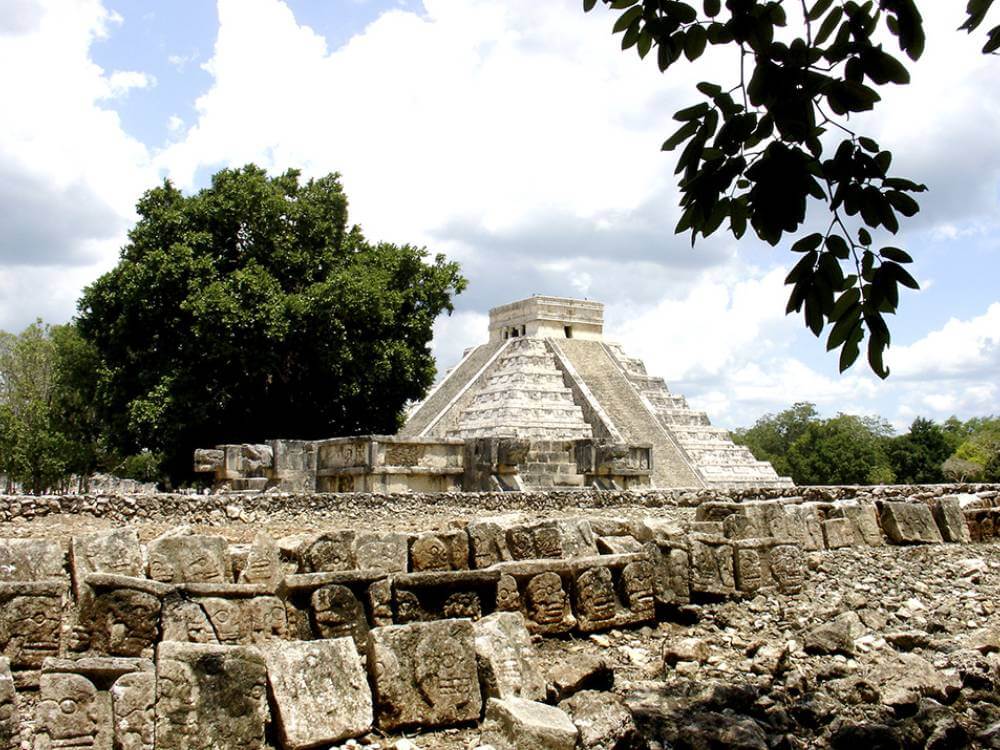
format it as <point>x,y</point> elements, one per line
<point>625,19</point>
<point>894,253</point>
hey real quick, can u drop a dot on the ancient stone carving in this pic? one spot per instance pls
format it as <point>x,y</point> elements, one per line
<point>595,601</point>
<point>332,551</point>
<point>637,582</point>
<point>508,596</point>
<point>432,596</point>
<point>388,553</point>
<point>909,523</point>
<point>9,719</point>
<point>711,566</point>
<point>30,627</point>
<point>380,602</point>
<point>547,604</point>
<point>788,568</point>
<point>71,713</point>
<point>266,619</point>
<point>749,568</point>
<point>425,673</point>
<point>117,622</point>
<point>337,613</point>
<point>838,533</point>
<point>506,661</point>
<point>133,697</point>
<point>263,563</point>
<point>210,697</point>
<point>446,550</point>
<point>320,691</point>
<point>116,552</point>
<point>226,617</point>
<point>30,559</point>
<point>189,558</point>
<point>185,620</point>
<point>947,512</point>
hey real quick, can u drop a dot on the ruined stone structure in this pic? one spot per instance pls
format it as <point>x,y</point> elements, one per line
<point>547,374</point>
<point>178,643</point>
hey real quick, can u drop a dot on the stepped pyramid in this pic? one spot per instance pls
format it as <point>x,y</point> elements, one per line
<point>547,374</point>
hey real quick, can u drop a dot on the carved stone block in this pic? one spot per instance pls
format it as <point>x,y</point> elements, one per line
<point>331,551</point>
<point>186,621</point>
<point>210,697</point>
<point>31,559</point>
<point>507,666</point>
<point>133,700</point>
<point>386,552</point>
<point>72,713</point>
<point>864,519</point>
<point>562,538</point>
<point>838,533</point>
<point>263,564</point>
<point>947,512</point>
<point>30,625</point>
<point>117,622</point>
<point>613,591</point>
<point>115,552</point>
<point>424,673</point>
<point>189,558</point>
<point>442,550</point>
<point>337,612</point>
<point>909,523</point>
<point>546,603</point>
<point>805,526</point>
<point>788,568</point>
<point>320,691</point>
<point>711,567</point>
<point>420,597</point>
<point>618,545</point>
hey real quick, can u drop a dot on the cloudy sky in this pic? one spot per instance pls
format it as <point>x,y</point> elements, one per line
<point>512,135</point>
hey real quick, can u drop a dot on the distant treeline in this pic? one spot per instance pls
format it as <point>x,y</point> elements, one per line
<point>850,449</point>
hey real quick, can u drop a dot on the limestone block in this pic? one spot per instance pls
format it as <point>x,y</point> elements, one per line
<point>210,697</point>
<point>607,596</point>
<point>116,552</point>
<point>518,724</point>
<point>864,519</point>
<point>541,591</point>
<point>117,622</point>
<point>208,460</point>
<point>750,569</point>
<point>189,558</point>
<point>575,672</point>
<point>386,552</point>
<point>618,545</point>
<point>439,550</point>
<point>10,725</point>
<point>72,713</point>
<point>838,533</point>
<point>562,538</point>
<point>670,573</point>
<point>30,559</point>
<point>263,564</point>
<point>909,523</point>
<point>788,567</point>
<point>30,623</point>
<point>254,620</point>
<point>420,597</point>
<point>330,551</point>
<point>320,691</point>
<point>711,566</point>
<point>506,659</point>
<point>947,512</point>
<point>424,674</point>
<point>338,612</point>
<point>186,621</point>
<point>133,697</point>
<point>380,602</point>
<point>805,527</point>
<point>487,541</point>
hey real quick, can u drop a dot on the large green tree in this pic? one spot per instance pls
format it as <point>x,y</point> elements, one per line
<point>250,310</point>
<point>772,436</point>
<point>918,456</point>
<point>775,138</point>
<point>843,450</point>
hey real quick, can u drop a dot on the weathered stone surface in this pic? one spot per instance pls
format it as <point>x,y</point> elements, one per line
<point>183,620</point>
<point>330,552</point>
<point>546,604</point>
<point>507,663</point>
<point>386,552</point>
<point>30,559</point>
<point>424,673</point>
<point>115,552</point>
<point>487,541</point>
<point>905,678</point>
<point>614,594</point>
<point>117,622</point>
<point>72,713</point>
<point>420,597</point>
<point>30,628</point>
<point>518,724</point>
<point>380,602</point>
<point>210,697</point>
<point>805,526</point>
<point>133,699</point>
<point>864,520</point>
<point>576,672</point>
<point>263,564</point>
<point>190,558</point>
<point>320,691</point>
<point>603,721</point>
<point>712,568</point>
<point>337,612</point>
<point>562,538</point>
<point>10,726</point>
<point>835,636</point>
<point>838,533</point>
<point>788,568</point>
<point>440,550</point>
<point>950,519</point>
<point>618,545</point>
<point>909,523</point>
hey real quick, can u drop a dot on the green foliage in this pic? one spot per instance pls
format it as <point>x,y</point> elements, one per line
<point>842,450</point>
<point>772,435</point>
<point>143,467</point>
<point>959,470</point>
<point>981,448</point>
<point>918,456</point>
<point>251,310</point>
<point>47,426</point>
<point>758,152</point>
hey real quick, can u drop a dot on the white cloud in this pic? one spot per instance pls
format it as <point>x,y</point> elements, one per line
<point>175,123</point>
<point>122,81</point>
<point>961,349</point>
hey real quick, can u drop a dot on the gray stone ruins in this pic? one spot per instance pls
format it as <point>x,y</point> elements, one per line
<point>545,402</point>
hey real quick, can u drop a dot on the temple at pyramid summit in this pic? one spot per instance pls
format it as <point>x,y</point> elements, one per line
<point>548,374</point>
<point>546,403</point>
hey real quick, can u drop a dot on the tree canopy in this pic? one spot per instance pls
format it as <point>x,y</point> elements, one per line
<point>250,310</point>
<point>759,149</point>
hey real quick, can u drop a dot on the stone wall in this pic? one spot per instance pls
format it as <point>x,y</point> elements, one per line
<point>191,642</point>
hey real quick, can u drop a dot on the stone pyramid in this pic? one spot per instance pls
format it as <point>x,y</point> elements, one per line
<point>547,374</point>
